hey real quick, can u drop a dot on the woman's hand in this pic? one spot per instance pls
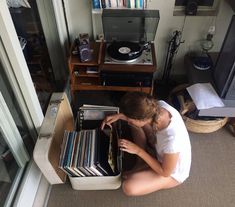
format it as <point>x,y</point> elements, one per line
<point>112,118</point>
<point>128,146</point>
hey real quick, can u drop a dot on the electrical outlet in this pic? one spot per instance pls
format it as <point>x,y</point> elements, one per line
<point>211,30</point>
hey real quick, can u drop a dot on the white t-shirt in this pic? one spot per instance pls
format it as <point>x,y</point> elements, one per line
<point>175,139</point>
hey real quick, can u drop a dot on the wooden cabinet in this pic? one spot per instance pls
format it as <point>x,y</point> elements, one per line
<point>88,75</point>
<point>80,77</point>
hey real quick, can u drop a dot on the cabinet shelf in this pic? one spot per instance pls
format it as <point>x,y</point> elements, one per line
<point>87,87</point>
<point>88,75</point>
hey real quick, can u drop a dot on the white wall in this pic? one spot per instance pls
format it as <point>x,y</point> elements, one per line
<point>195,28</point>
<point>78,13</point>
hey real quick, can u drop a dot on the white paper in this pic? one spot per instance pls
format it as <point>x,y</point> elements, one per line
<point>204,96</point>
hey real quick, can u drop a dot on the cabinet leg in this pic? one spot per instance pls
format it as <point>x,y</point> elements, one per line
<point>72,95</point>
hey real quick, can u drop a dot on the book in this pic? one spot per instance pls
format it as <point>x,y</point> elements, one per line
<point>87,153</point>
<point>70,149</point>
<point>103,4</point>
<point>68,165</point>
<point>91,163</point>
<point>76,156</point>
<point>102,156</point>
<point>132,4</point>
<point>107,3</point>
<point>113,4</point>
<point>66,154</point>
<point>80,156</point>
<point>141,4</point>
<point>92,70</point>
<point>96,4</point>
<point>84,155</point>
<point>97,159</point>
<point>62,148</point>
<point>120,3</point>
<point>110,149</point>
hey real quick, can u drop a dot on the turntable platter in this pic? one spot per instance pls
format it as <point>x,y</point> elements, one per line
<point>124,51</point>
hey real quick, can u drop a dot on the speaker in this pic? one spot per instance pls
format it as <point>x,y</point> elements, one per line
<point>224,70</point>
<point>83,47</point>
<point>191,7</point>
<point>84,53</point>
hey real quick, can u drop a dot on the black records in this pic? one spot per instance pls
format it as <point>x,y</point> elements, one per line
<point>124,51</point>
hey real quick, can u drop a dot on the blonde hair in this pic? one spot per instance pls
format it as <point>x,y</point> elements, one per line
<point>140,106</point>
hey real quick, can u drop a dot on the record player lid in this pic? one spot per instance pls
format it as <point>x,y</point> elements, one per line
<point>130,25</point>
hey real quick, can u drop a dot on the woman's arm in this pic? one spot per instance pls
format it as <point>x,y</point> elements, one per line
<point>112,118</point>
<point>164,169</point>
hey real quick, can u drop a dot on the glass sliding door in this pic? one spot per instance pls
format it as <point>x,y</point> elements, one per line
<point>16,138</point>
<point>8,172</point>
<point>41,41</point>
<point>31,37</point>
<point>16,71</point>
<point>33,63</point>
<point>13,153</point>
<point>20,115</point>
<point>15,110</point>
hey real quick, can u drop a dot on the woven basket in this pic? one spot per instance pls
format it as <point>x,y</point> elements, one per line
<point>202,126</point>
<point>198,126</point>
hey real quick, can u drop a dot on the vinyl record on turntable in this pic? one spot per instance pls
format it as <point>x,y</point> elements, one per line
<point>124,51</point>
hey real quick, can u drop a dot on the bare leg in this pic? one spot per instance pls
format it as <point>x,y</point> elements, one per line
<point>141,137</point>
<point>144,137</point>
<point>150,140</point>
<point>147,181</point>
<point>149,133</point>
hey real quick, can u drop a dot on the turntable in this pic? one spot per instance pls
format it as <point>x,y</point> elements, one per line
<point>123,52</point>
<point>129,35</point>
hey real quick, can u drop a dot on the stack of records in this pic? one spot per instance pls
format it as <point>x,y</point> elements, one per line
<point>86,153</point>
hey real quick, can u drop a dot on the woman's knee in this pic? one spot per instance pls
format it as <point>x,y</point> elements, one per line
<point>128,188</point>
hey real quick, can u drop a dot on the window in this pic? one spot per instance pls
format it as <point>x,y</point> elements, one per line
<point>205,7</point>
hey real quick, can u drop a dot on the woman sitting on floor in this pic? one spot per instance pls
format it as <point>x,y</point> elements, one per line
<point>161,143</point>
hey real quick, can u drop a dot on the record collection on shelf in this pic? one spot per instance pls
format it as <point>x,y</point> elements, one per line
<point>132,4</point>
<point>90,151</point>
